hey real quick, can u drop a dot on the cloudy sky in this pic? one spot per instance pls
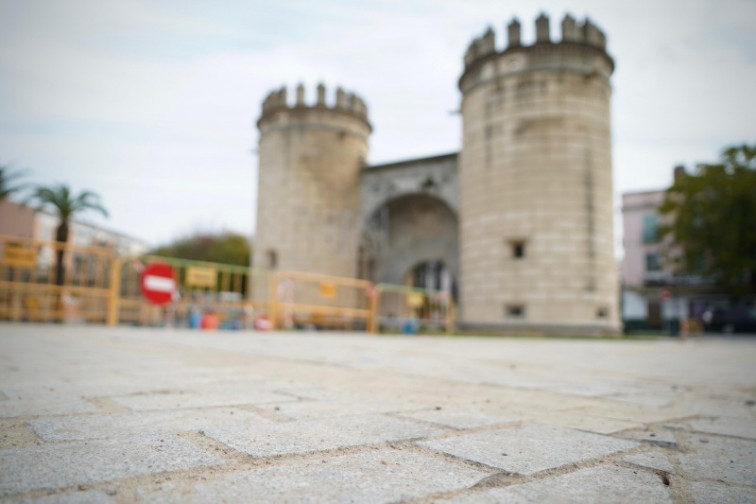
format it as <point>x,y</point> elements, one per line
<point>152,103</point>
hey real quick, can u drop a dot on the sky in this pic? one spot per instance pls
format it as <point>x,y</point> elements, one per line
<point>152,103</point>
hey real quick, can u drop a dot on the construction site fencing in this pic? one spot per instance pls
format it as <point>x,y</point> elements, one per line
<point>312,300</point>
<point>401,308</point>
<point>231,293</point>
<point>49,281</point>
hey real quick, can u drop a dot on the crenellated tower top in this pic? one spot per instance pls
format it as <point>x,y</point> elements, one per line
<point>344,103</point>
<point>584,36</point>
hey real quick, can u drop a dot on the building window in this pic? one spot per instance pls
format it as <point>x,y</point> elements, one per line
<point>653,262</point>
<point>272,256</point>
<point>518,249</point>
<point>514,311</point>
<point>650,228</point>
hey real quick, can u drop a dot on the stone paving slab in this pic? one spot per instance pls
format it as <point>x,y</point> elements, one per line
<point>457,418</point>
<point>573,420</point>
<point>627,412</point>
<point>597,485</point>
<point>346,406</point>
<point>118,382</point>
<point>652,460</point>
<point>180,399</point>
<point>530,449</point>
<point>654,435</point>
<point>726,426</point>
<point>709,493</point>
<point>643,399</point>
<point>374,476</point>
<point>76,497</point>
<point>714,407</point>
<point>340,405</point>
<point>57,406</point>
<point>720,459</point>
<point>53,466</point>
<point>142,423</point>
<point>318,435</point>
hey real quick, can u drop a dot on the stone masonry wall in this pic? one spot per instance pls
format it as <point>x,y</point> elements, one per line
<point>308,201</point>
<point>535,172</point>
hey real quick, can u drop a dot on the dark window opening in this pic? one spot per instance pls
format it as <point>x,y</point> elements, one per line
<point>272,259</point>
<point>431,275</point>
<point>650,228</point>
<point>518,249</point>
<point>515,311</point>
<point>653,262</point>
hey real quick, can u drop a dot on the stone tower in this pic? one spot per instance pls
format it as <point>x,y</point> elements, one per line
<point>308,187</point>
<point>536,238</point>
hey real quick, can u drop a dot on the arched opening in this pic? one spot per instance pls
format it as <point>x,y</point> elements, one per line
<point>412,240</point>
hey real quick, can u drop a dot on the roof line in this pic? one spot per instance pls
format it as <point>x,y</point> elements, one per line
<point>644,191</point>
<point>437,157</point>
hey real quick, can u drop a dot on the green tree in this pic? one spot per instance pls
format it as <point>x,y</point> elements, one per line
<point>711,221</point>
<point>8,185</point>
<point>225,247</point>
<point>66,204</point>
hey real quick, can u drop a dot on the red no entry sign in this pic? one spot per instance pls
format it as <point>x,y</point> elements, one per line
<point>157,283</point>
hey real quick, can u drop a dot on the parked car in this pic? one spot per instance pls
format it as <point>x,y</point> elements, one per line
<point>731,317</point>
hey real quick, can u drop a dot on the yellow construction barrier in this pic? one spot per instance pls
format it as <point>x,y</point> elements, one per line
<point>94,284</point>
<point>319,301</point>
<point>400,308</point>
<point>44,281</point>
<point>234,294</point>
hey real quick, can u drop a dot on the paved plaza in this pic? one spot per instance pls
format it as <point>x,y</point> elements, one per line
<point>101,415</point>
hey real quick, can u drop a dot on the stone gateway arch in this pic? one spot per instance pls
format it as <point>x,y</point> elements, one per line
<point>518,223</point>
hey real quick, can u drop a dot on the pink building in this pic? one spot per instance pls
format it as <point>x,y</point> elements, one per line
<point>643,264</point>
<point>16,220</point>
<point>653,297</point>
<point>19,221</point>
<point>647,301</point>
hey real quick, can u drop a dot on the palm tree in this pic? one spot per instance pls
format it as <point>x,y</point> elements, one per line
<point>7,176</point>
<point>60,199</point>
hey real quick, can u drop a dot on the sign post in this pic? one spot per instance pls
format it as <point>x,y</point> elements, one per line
<point>158,283</point>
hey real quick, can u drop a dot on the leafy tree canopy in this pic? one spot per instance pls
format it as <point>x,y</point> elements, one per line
<point>225,247</point>
<point>711,215</point>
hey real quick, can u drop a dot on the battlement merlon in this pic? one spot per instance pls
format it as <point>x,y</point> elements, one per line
<point>514,31</point>
<point>344,102</point>
<point>543,35</point>
<point>570,30</point>
<point>585,33</point>
<point>592,35</point>
<point>487,43</point>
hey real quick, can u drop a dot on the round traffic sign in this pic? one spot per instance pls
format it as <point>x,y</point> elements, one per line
<point>157,283</point>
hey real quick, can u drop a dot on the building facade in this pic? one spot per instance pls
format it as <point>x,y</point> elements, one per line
<point>17,220</point>
<point>518,224</point>
<point>654,297</point>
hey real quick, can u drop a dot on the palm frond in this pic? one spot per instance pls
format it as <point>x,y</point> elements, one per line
<point>7,176</point>
<point>62,200</point>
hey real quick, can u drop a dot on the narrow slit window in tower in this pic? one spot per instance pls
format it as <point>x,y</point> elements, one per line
<point>518,249</point>
<point>272,259</point>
